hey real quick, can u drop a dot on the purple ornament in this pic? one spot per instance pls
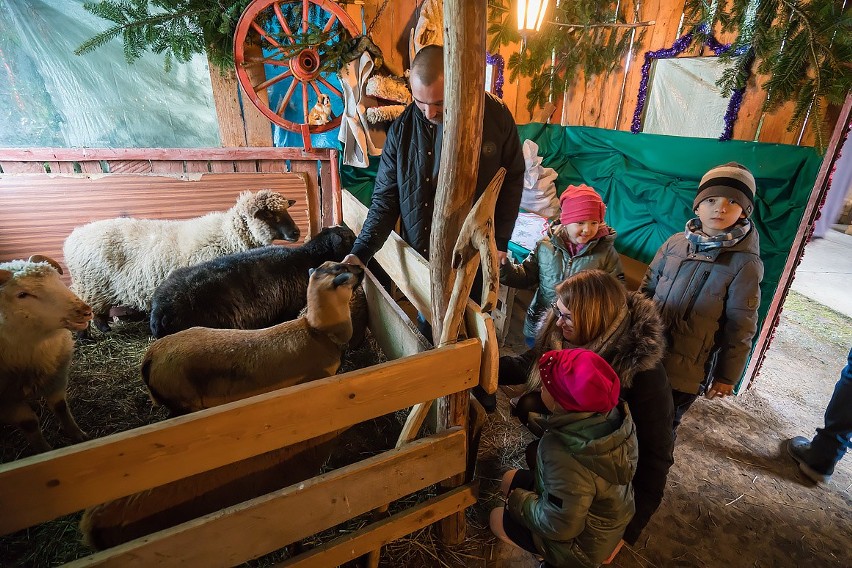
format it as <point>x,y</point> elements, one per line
<point>676,49</point>
<point>500,64</point>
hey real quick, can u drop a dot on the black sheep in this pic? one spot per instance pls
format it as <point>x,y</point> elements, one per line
<point>249,290</point>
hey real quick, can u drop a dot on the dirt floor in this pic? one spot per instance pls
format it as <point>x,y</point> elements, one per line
<point>734,497</point>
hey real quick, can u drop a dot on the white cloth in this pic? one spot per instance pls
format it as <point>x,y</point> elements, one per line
<point>429,29</point>
<point>539,194</point>
<point>357,144</point>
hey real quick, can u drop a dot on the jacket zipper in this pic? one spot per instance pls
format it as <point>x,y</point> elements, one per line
<point>694,298</point>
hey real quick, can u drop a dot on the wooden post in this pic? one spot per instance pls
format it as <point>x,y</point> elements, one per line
<point>464,97</point>
<point>226,98</point>
<point>244,126</point>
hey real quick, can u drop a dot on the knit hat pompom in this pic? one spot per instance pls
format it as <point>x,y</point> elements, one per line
<point>581,203</point>
<point>579,380</point>
<point>731,180</point>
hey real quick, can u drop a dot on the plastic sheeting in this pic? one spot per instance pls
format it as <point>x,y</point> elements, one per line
<point>50,97</point>
<point>683,99</point>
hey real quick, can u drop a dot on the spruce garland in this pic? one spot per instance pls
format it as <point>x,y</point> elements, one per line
<point>805,49</point>
<point>178,29</point>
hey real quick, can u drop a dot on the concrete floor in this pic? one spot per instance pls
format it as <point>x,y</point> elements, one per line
<point>825,274</point>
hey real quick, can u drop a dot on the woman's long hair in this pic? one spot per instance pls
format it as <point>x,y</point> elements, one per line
<point>594,297</point>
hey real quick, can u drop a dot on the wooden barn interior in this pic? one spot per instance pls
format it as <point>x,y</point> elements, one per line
<point>392,461</point>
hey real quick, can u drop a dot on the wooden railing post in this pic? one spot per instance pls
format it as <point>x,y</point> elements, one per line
<point>464,97</point>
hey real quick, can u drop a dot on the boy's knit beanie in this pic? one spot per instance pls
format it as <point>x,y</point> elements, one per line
<point>581,203</point>
<point>580,380</point>
<point>731,180</point>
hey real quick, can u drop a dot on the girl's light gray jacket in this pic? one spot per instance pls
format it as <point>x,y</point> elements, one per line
<point>551,263</point>
<point>583,499</point>
<point>708,301</point>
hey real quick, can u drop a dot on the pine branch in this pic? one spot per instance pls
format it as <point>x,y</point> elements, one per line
<point>803,47</point>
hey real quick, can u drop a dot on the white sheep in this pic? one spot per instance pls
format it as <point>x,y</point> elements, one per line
<point>120,262</point>
<point>37,315</point>
<point>204,367</point>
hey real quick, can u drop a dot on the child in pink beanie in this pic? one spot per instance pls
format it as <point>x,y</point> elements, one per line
<point>585,462</point>
<point>580,241</point>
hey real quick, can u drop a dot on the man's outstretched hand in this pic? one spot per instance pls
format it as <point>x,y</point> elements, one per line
<point>352,259</point>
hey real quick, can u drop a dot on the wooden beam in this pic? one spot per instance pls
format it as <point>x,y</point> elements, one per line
<point>159,154</point>
<point>248,530</point>
<point>481,326</point>
<point>378,534</point>
<point>404,265</point>
<point>464,98</point>
<point>393,330</point>
<point>226,99</point>
<point>70,479</point>
<point>258,128</point>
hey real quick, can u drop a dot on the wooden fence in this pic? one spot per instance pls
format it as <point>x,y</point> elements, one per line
<point>40,488</point>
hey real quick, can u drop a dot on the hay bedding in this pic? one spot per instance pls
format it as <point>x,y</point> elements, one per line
<point>106,395</point>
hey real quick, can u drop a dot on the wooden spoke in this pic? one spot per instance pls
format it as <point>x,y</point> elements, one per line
<point>284,60</point>
<point>255,61</point>
<point>305,101</point>
<point>287,96</point>
<point>265,36</point>
<point>269,82</point>
<point>331,87</point>
<point>329,23</point>
<point>306,8</point>
<point>281,20</point>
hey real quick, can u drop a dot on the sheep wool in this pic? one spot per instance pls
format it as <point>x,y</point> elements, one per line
<point>37,315</point>
<point>120,262</point>
<point>203,367</point>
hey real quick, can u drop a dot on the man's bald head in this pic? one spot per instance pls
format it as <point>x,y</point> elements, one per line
<point>427,82</point>
<point>428,65</point>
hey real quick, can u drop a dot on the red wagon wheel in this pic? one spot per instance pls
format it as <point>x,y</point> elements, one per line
<point>296,51</point>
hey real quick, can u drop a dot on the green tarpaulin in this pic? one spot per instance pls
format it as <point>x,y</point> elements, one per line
<point>648,183</point>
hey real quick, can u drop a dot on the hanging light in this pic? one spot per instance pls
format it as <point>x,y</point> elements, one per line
<point>531,15</point>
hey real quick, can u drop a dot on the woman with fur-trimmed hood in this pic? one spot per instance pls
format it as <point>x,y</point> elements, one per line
<point>594,311</point>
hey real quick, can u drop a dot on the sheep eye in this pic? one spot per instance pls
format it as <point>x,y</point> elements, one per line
<point>23,294</point>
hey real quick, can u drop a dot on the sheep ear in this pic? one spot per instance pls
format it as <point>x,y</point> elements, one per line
<point>47,259</point>
<point>291,202</point>
<point>5,276</point>
<point>341,279</point>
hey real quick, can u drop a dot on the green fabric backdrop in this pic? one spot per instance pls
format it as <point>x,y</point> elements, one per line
<point>648,182</point>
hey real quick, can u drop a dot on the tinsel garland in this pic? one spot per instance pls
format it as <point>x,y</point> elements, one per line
<point>500,65</point>
<point>676,49</point>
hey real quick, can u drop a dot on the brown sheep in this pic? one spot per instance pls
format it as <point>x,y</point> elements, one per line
<point>204,367</point>
<point>37,315</point>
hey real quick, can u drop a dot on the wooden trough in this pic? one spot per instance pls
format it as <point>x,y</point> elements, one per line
<point>43,487</point>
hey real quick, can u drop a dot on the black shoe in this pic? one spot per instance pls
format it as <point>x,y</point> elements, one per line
<point>799,448</point>
<point>488,401</point>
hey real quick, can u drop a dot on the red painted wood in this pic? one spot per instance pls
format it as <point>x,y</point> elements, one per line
<point>802,237</point>
<point>38,211</point>
<point>158,154</point>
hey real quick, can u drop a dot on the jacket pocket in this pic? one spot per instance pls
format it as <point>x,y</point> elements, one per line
<point>701,282</point>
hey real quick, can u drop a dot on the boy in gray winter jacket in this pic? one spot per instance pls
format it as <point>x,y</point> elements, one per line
<point>706,282</point>
<point>572,511</point>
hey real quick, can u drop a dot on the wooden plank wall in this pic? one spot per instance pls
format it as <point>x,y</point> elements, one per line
<point>31,217</point>
<point>596,102</point>
<point>39,211</point>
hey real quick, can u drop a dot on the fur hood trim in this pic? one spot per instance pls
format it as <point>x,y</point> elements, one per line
<point>639,347</point>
